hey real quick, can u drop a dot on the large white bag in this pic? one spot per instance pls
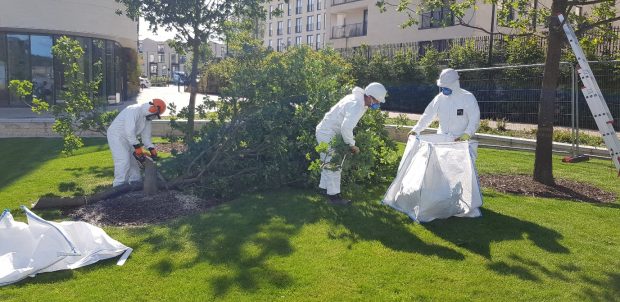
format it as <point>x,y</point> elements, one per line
<point>44,246</point>
<point>436,179</point>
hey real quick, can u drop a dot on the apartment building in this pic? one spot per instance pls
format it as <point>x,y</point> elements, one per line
<point>158,59</point>
<point>29,29</point>
<point>351,23</point>
<point>297,23</point>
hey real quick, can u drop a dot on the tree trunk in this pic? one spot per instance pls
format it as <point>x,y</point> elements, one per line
<point>150,177</point>
<point>543,165</point>
<point>189,135</point>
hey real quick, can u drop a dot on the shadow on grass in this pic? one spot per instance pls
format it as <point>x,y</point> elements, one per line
<point>20,156</point>
<point>244,235</point>
<point>91,171</point>
<point>477,235</point>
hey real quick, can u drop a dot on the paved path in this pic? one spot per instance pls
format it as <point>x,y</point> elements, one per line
<point>168,94</point>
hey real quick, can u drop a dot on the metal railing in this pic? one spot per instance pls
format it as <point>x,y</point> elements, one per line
<point>339,2</point>
<point>349,31</point>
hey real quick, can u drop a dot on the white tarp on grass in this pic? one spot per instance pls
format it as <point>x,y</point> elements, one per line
<point>43,246</point>
<point>436,179</point>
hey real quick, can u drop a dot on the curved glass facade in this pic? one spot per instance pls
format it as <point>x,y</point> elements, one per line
<point>26,56</point>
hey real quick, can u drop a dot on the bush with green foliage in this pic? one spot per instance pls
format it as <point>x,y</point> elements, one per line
<point>467,56</point>
<point>264,133</point>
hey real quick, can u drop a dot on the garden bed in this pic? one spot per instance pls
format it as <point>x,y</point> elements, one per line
<point>563,189</point>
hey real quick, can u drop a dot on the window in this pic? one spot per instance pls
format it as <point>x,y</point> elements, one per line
<point>319,3</point>
<point>18,48</point>
<point>140,46</point>
<point>437,18</point>
<point>318,42</point>
<point>298,40</point>
<point>151,58</point>
<point>281,8</point>
<point>270,29</point>
<point>280,27</point>
<point>310,6</point>
<point>162,58</point>
<point>298,7</point>
<point>298,25</point>
<point>270,45</point>
<point>160,48</point>
<point>309,40</point>
<point>310,23</point>
<point>4,93</point>
<point>270,11</point>
<point>288,42</point>
<point>288,26</point>
<point>153,69</point>
<point>318,22</point>
<point>43,67</point>
<point>289,8</point>
<point>280,45</point>
<point>174,58</point>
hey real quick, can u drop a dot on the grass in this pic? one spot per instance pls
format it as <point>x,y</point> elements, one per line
<point>290,245</point>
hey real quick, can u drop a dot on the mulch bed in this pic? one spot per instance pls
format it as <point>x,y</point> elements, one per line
<point>168,147</point>
<point>136,209</point>
<point>563,189</point>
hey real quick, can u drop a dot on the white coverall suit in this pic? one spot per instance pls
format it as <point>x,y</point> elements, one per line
<point>458,113</point>
<point>123,135</point>
<point>340,120</point>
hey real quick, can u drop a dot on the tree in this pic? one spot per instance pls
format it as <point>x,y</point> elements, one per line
<point>195,22</point>
<point>524,15</point>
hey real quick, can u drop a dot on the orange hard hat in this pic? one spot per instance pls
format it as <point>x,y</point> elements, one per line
<point>158,106</point>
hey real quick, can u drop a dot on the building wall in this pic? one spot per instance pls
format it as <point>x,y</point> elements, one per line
<point>318,12</point>
<point>29,28</point>
<point>159,59</point>
<point>91,18</point>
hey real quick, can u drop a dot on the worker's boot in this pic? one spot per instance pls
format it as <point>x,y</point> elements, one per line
<point>338,200</point>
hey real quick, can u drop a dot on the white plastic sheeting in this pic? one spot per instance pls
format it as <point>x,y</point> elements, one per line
<point>436,179</point>
<point>43,246</point>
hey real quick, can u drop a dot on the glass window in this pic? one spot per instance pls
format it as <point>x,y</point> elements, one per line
<point>310,6</point>
<point>140,46</point>
<point>99,65</point>
<point>288,42</point>
<point>318,22</point>
<point>270,44</point>
<point>310,23</point>
<point>319,3</point>
<point>42,67</point>
<point>18,50</point>
<point>162,58</point>
<point>318,42</point>
<point>270,11</point>
<point>174,58</point>
<point>4,92</point>
<point>289,8</point>
<point>270,29</point>
<point>153,70</point>
<point>288,24</point>
<point>160,48</point>
<point>280,27</point>
<point>298,25</point>
<point>298,7</point>
<point>110,70</point>
<point>298,40</point>
<point>280,45</point>
<point>151,58</point>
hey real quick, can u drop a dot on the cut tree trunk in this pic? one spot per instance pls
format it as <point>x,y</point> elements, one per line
<point>149,186</point>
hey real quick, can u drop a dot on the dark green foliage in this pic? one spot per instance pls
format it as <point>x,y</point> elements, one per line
<point>263,135</point>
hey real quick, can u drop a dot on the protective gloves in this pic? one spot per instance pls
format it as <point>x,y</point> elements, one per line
<point>355,149</point>
<point>138,153</point>
<point>153,153</point>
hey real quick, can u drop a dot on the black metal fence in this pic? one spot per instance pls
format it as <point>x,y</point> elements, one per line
<point>513,93</point>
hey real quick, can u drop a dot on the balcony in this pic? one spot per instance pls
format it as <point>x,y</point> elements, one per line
<point>340,2</point>
<point>349,31</point>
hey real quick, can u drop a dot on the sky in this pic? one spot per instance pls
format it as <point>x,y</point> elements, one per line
<point>161,35</point>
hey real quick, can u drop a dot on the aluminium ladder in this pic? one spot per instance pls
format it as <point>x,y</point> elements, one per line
<point>594,97</point>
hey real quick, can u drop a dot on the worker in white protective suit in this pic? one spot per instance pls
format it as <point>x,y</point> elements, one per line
<point>133,121</point>
<point>341,120</point>
<point>457,109</point>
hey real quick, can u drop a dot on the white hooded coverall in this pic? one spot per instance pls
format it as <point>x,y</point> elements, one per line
<point>340,120</point>
<point>458,113</point>
<point>122,136</point>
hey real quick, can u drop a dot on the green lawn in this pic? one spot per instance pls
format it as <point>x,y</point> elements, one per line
<point>291,245</point>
